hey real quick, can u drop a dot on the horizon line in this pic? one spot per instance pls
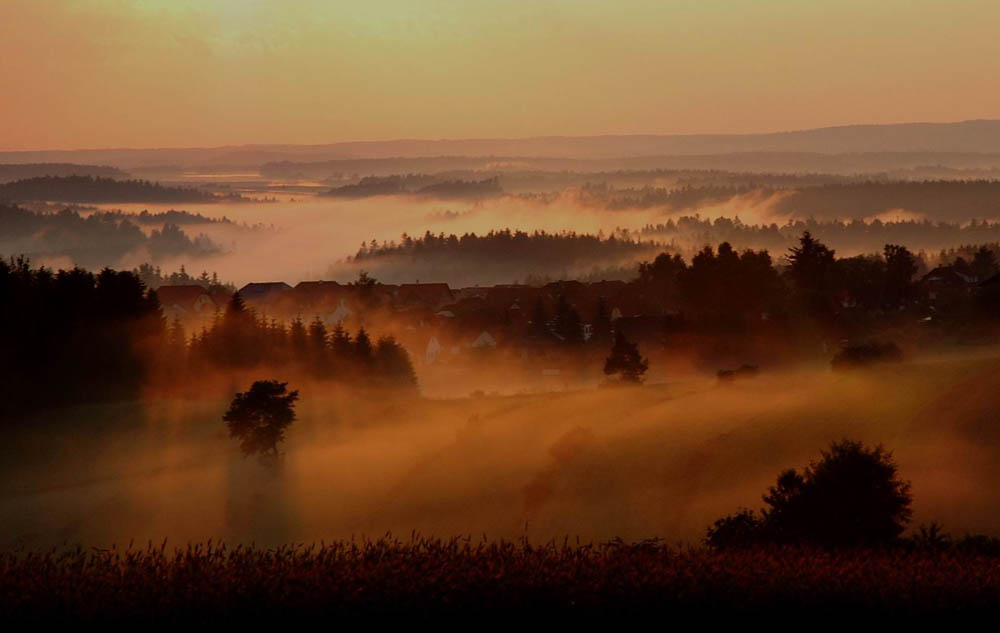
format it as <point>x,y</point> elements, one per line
<point>497,138</point>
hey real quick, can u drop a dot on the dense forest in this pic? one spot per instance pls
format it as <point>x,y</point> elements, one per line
<point>515,180</point>
<point>95,240</point>
<point>939,200</point>
<point>506,256</point>
<point>91,189</point>
<point>418,185</point>
<point>241,339</point>
<point>855,236</point>
<point>560,247</point>
<point>153,277</point>
<point>74,337</point>
<point>500,256</point>
<point>460,189</point>
<point>170,216</point>
<point>21,171</point>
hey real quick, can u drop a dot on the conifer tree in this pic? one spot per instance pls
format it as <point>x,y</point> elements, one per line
<point>625,360</point>
<point>362,347</point>
<point>340,342</point>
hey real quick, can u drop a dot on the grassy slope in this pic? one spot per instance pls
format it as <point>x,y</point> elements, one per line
<point>661,461</point>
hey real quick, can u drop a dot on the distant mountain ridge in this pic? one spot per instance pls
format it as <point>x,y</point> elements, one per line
<point>979,136</point>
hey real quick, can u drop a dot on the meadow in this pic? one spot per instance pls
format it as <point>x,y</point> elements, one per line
<point>658,461</point>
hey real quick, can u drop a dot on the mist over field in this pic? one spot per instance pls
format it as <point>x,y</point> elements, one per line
<point>598,464</point>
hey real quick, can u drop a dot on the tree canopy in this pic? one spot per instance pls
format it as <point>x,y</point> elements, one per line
<point>258,417</point>
<point>851,496</point>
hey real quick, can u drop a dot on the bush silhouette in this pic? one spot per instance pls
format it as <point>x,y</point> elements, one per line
<point>743,529</point>
<point>851,497</point>
<point>259,417</point>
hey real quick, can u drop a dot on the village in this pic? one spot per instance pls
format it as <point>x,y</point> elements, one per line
<point>436,322</point>
<point>431,319</point>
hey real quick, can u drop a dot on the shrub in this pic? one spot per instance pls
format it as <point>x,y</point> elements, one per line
<point>851,497</point>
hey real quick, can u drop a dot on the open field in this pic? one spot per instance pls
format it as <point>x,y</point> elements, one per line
<point>662,460</point>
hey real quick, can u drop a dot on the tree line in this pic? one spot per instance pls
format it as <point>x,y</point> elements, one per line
<point>500,256</point>
<point>73,337</point>
<point>153,277</point>
<point>93,240</point>
<point>537,246</point>
<point>22,171</point>
<point>814,283</point>
<point>948,200</point>
<point>100,189</point>
<point>934,241</point>
<point>419,185</point>
<point>240,338</point>
<point>723,295</point>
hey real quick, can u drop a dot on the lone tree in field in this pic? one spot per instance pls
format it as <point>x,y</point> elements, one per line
<point>625,360</point>
<point>853,496</point>
<point>258,417</point>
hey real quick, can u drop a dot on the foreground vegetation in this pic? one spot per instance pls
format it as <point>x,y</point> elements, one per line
<point>424,576</point>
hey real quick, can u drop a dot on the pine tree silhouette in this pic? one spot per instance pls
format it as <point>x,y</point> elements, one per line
<point>625,360</point>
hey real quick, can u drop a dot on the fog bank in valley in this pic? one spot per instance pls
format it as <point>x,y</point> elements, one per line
<point>662,460</point>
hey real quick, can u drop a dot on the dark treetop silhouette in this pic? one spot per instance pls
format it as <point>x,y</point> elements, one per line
<point>96,239</point>
<point>90,189</point>
<point>852,496</point>
<point>258,417</point>
<point>625,360</point>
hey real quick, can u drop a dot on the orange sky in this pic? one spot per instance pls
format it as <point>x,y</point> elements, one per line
<point>120,73</point>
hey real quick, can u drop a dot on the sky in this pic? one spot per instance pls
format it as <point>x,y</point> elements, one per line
<point>177,73</point>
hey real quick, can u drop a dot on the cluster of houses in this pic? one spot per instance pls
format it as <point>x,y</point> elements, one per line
<point>435,320</point>
<point>946,283</point>
<point>431,317</point>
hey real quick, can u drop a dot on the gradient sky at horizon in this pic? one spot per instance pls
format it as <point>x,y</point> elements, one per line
<point>174,73</point>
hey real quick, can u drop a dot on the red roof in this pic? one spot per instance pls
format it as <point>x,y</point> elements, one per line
<point>428,294</point>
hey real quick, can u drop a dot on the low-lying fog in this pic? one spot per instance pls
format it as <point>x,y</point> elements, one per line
<point>313,234</point>
<point>310,237</point>
<point>662,460</point>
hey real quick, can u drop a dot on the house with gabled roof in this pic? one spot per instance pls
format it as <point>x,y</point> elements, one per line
<point>263,293</point>
<point>433,296</point>
<point>947,281</point>
<point>185,302</point>
<point>314,297</point>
